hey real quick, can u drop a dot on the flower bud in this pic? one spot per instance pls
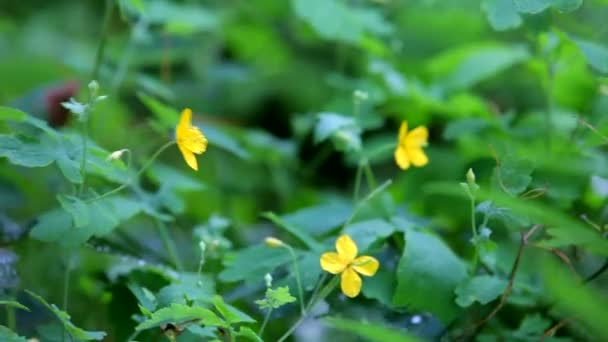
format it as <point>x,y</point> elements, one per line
<point>470,177</point>
<point>360,95</point>
<point>116,155</point>
<point>203,246</point>
<point>273,242</point>
<point>268,279</point>
<point>93,88</point>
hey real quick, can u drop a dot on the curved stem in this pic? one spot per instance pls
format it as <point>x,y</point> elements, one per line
<point>265,322</point>
<point>474,231</point>
<point>296,268</point>
<point>107,16</point>
<point>143,168</point>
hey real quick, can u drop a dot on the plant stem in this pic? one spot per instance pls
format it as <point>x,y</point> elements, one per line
<point>133,335</point>
<point>11,321</point>
<point>107,16</point>
<point>358,182</point>
<point>143,168</point>
<point>66,291</point>
<point>296,269</point>
<point>369,174</point>
<point>265,322</point>
<point>367,198</point>
<point>169,244</point>
<point>85,138</point>
<point>322,294</point>
<point>474,231</point>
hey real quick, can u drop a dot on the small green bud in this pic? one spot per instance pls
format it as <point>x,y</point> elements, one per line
<point>470,177</point>
<point>360,95</point>
<point>268,279</point>
<point>116,155</point>
<point>93,89</point>
<point>273,242</point>
<point>203,246</point>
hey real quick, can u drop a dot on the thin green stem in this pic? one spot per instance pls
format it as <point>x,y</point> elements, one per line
<point>133,335</point>
<point>315,292</point>
<point>107,16</point>
<point>296,269</point>
<point>130,180</point>
<point>322,294</point>
<point>358,182</point>
<point>169,244</point>
<point>66,291</point>
<point>367,198</point>
<point>474,231</point>
<point>11,321</point>
<point>369,174</point>
<point>266,318</point>
<point>85,138</point>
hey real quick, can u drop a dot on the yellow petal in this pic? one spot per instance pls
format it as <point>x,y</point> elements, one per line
<point>402,132</point>
<point>188,157</point>
<point>350,283</point>
<point>347,249</point>
<point>417,156</point>
<point>332,263</point>
<point>194,140</point>
<point>401,158</point>
<point>185,119</point>
<point>366,265</point>
<point>417,137</point>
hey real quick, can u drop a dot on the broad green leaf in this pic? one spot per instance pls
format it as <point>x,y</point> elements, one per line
<point>275,298</point>
<point>249,334</point>
<point>14,304</point>
<point>7,113</point>
<point>366,233</point>
<point>329,124</point>
<point>219,138</point>
<point>252,263</point>
<point>427,274</point>
<point>175,179</point>
<point>537,6</point>
<point>465,66</point>
<point>145,298</point>
<point>180,18</point>
<point>230,314</point>
<point>179,314</point>
<point>381,286</point>
<point>336,20</point>
<point>596,54</point>
<point>64,318</point>
<point>187,288</point>
<point>369,331</point>
<point>52,226</point>
<point>77,208</point>
<point>28,154</point>
<point>168,116</point>
<point>7,335</point>
<point>482,289</point>
<point>502,14</point>
<point>583,301</point>
<point>513,174</point>
<point>320,219</point>
<point>532,327</point>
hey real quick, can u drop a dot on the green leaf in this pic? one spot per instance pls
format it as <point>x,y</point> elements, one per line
<point>482,289</point>
<point>369,331</point>
<point>380,287</point>
<point>7,335</point>
<point>77,208</point>
<point>596,54</point>
<point>583,301</point>
<point>252,263</point>
<point>502,14</point>
<point>427,274</point>
<point>64,318</point>
<point>249,334</point>
<point>172,178</point>
<point>513,174</point>
<point>366,233</point>
<point>168,116</point>
<point>218,137</point>
<point>180,314</point>
<point>532,327</point>
<point>275,298</point>
<point>7,113</point>
<point>188,288</point>
<point>538,6</point>
<point>465,66</point>
<point>320,219</point>
<point>231,314</point>
<point>52,225</point>
<point>329,124</point>
<point>27,154</point>
<point>14,304</point>
<point>335,20</point>
<point>145,298</point>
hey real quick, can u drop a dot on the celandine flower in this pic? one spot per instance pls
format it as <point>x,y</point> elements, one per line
<point>189,139</point>
<point>347,263</point>
<point>409,146</point>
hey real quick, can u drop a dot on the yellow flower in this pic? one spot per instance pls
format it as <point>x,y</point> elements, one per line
<point>347,263</point>
<point>189,139</point>
<point>409,147</point>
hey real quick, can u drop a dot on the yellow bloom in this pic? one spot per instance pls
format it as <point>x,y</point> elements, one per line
<point>189,139</point>
<point>347,263</point>
<point>409,147</point>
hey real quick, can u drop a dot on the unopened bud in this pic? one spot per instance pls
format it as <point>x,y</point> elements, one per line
<point>273,242</point>
<point>116,155</point>
<point>268,279</point>
<point>470,177</point>
<point>93,88</point>
<point>360,95</point>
